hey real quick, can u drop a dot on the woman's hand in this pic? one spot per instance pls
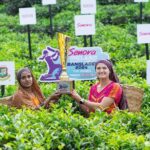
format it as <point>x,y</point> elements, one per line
<point>75,96</point>
<point>54,97</point>
<point>46,104</point>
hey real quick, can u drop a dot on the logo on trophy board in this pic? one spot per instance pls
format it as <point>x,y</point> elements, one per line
<point>52,58</point>
<point>4,73</point>
<point>7,73</point>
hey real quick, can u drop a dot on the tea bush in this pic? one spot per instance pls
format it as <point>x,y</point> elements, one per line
<point>64,126</point>
<point>64,129</point>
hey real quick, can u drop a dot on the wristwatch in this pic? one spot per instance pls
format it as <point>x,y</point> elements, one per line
<point>82,101</point>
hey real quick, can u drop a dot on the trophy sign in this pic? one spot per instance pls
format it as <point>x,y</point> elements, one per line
<point>65,85</point>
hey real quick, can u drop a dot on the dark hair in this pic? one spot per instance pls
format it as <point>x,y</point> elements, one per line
<point>112,75</point>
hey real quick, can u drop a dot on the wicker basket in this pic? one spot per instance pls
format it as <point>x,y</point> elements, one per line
<point>134,97</point>
<point>6,100</point>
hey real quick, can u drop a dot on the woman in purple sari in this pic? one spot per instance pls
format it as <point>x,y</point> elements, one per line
<point>104,95</point>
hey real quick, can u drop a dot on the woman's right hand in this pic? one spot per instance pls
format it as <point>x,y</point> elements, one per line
<point>55,96</point>
<point>46,104</point>
<point>75,96</point>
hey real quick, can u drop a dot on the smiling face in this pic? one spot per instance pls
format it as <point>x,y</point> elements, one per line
<point>102,71</point>
<point>26,80</point>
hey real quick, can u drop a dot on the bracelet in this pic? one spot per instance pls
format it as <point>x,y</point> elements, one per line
<point>82,101</point>
<point>101,107</point>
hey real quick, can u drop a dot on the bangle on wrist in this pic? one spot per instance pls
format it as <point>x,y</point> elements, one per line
<point>42,104</point>
<point>101,107</point>
<point>82,101</point>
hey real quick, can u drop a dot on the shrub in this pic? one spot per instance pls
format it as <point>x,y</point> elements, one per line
<point>12,7</point>
<point>106,2</point>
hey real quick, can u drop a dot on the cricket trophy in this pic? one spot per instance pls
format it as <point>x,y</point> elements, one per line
<point>65,85</point>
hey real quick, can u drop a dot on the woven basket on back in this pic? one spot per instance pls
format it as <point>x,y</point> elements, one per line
<point>134,97</point>
<point>6,100</point>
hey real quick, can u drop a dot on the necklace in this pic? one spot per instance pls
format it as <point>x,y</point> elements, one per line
<point>101,87</point>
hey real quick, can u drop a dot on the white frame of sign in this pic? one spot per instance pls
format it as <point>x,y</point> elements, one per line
<point>48,2</point>
<point>84,25</point>
<point>27,16</point>
<point>88,6</point>
<point>148,72</point>
<point>143,30</point>
<point>9,79</point>
<point>139,1</point>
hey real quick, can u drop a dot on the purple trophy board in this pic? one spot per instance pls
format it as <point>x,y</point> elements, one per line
<point>52,58</point>
<point>80,63</point>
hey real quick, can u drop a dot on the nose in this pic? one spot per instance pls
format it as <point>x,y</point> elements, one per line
<point>27,79</point>
<point>101,70</point>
